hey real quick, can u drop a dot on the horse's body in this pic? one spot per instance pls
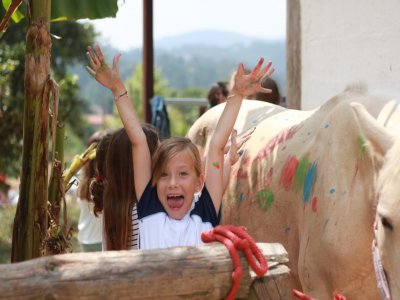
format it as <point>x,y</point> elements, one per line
<point>307,180</point>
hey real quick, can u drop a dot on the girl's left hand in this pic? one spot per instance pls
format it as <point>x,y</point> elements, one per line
<point>248,84</point>
<point>98,68</point>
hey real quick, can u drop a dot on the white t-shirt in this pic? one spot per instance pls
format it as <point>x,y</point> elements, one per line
<point>90,227</point>
<point>158,230</point>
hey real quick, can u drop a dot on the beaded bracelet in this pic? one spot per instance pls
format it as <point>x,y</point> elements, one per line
<point>116,98</point>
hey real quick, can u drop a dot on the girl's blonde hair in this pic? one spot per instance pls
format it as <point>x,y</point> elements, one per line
<point>168,149</point>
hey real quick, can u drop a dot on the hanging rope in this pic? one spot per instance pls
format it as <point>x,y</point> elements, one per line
<point>236,238</point>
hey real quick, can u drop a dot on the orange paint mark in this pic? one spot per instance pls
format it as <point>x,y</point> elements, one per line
<point>314,204</point>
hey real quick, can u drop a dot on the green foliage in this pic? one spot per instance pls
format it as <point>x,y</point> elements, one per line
<point>189,66</point>
<point>74,144</point>
<point>62,10</point>
<point>7,214</point>
<point>7,217</point>
<point>181,117</point>
<point>134,87</point>
<point>11,107</point>
<point>71,105</point>
<point>17,15</point>
<point>72,45</point>
<point>78,9</point>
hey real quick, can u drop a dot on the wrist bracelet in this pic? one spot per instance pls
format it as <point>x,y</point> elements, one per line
<point>234,95</point>
<point>116,98</point>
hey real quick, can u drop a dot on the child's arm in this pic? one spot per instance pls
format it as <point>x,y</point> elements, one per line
<point>110,78</point>
<point>244,85</point>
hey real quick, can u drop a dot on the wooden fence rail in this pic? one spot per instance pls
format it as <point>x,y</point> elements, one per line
<point>202,272</point>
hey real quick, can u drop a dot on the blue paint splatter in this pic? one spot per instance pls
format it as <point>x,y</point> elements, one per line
<point>326,126</point>
<point>309,182</point>
<point>241,197</point>
<point>331,191</point>
<point>308,133</point>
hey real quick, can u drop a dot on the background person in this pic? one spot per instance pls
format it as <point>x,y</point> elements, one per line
<point>90,227</point>
<point>273,97</point>
<point>217,94</point>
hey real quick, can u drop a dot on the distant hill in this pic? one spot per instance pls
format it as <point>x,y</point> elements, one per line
<point>196,59</point>
<point>204,37</point>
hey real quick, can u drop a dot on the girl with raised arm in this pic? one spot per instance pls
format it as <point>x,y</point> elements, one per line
<point>165,186</point>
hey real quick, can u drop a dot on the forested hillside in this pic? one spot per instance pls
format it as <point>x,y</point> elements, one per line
<point>197,59</point>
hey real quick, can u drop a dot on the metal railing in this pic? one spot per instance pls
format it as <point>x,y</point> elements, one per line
<point>187,101</point>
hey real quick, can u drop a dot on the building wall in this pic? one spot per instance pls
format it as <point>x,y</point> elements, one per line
<point>345,42</point>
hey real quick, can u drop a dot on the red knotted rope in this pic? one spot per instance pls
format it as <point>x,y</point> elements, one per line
<point>236,238</point>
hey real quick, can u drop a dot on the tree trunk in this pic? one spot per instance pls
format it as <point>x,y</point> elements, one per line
<point>30,223</point>
<point>56,183</point>
<point>202,272</point>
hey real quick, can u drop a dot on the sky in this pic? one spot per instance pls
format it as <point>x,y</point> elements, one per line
<point>265,19</point>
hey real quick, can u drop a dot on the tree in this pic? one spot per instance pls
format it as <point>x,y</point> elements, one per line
<point>12,85</point>
<point>30,224</point>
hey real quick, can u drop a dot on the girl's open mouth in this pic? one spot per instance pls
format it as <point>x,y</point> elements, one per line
<point>175,202</point>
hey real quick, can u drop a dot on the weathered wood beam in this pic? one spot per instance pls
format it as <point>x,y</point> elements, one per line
<point>202,272</point>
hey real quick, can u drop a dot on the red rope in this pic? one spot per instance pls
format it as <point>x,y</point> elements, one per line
<point>236,238</point>
<point>302,296</point>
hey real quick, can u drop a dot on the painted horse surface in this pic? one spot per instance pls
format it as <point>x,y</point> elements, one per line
<point>307,180</point>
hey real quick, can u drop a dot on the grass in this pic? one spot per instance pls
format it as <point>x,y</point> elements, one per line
<point>7,214</point>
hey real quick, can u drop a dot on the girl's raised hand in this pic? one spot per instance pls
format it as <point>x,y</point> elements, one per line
<point>98,68</point>
<point>248,84</point>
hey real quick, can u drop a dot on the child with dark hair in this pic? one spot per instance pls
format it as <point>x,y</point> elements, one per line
<point>217,93</point>
<point>273,97</point>
<point>89,227</point>
<point>98,182</point>
<point>113,191</point>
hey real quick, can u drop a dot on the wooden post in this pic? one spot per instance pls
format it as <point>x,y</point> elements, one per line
<point>202,272</point>
<point>148,59</point>
<point>293,54</point>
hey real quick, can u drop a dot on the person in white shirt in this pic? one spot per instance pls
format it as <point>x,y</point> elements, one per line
<point>90,227</point>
